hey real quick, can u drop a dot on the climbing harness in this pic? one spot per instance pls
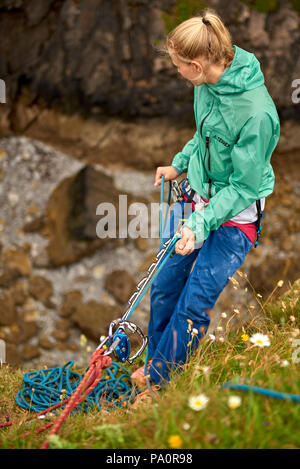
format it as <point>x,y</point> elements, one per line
<point>182,191</point>
<point>258,222</point>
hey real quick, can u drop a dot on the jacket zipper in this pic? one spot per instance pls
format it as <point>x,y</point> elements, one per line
<point>207,149</point>
<point>201,126</point>
<point>208,164</point>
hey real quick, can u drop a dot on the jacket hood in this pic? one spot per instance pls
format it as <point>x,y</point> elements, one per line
<point>243,74</point>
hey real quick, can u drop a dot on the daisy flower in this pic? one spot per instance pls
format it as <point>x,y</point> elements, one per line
<point>260,340</point>
<point>198,402</point>
<point>284,363</point>
<point>186,426</point>
<point>234,402</point>
<point>205,369</point>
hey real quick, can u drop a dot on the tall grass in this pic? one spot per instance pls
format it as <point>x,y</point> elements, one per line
<point>169,421</point>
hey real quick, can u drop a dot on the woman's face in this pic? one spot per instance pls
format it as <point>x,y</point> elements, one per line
<point>189,71</point>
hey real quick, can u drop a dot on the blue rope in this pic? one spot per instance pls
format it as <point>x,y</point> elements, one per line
<point>162,222</point>
<point>42,389</point>
<point>265,392</point>
<point>167,255</point>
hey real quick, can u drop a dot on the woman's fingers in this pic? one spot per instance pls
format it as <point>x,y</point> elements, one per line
<point>158,175</point>
<point>186,244</point>
<point>168,171</point>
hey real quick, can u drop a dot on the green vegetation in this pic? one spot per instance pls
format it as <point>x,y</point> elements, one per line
<point>263,6</point>
<point>182,10</point>
<point>170,422</point>
<point>266,6</point>
<point>296,5</point>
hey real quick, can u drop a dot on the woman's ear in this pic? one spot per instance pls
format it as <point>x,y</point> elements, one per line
<point>196,66</point>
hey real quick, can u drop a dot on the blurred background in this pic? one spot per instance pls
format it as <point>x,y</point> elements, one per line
<point>92,107</point>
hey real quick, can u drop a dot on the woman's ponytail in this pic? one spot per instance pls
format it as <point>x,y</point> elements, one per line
<point>204,36</point>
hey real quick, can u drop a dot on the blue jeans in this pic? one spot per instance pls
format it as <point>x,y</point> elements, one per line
<point>178,295</point>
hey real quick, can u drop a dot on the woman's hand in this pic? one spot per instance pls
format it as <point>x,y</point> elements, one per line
<point>186,244</point>
<point>168,171</point>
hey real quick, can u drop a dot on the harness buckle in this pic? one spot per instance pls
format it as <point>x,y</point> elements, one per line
<point>177,195</point>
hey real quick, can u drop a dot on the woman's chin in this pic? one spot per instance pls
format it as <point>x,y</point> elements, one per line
<point>197,82</point>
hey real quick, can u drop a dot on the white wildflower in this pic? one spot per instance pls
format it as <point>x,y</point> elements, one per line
<point>234,402</point>
<point>198,402</point>
<point>260,340</point>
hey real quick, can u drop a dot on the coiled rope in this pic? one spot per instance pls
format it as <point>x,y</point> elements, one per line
<point>45,388</point>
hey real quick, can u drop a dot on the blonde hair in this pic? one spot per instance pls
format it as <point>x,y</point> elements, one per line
<point>209,39</point>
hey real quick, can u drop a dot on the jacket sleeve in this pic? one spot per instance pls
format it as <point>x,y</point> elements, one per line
<point>181,160</point>
<point>250,158</point>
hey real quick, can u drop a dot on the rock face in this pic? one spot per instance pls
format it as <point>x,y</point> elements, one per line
<point>101,57</point>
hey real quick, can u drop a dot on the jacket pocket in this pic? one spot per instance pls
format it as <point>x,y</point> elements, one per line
<point>218,156</point>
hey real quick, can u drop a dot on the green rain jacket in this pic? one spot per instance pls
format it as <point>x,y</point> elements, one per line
<point>228,159</point>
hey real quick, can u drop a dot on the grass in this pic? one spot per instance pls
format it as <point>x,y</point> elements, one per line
<point>259,422</point>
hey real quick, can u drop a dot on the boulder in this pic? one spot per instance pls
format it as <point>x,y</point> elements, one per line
<point>72,300</point>
<point>93,318</point>
<point>29,352</point>
<point>121,284</point>
<point>8,313</point>
<point>22,331</point>
<point>40,288</point>
<point>14,263</point>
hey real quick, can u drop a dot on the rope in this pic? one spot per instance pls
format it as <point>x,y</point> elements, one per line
<point>85,387</point>
<point>44,388</point>
<point>162,222</point>
<point>264,391</point>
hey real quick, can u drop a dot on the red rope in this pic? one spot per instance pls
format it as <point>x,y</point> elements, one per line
<point>8,424</point>
<point>86,386</point>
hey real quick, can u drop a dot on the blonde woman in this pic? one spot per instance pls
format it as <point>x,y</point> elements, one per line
<point>229,175</point>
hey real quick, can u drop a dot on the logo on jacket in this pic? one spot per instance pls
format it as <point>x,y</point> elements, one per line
<point>221,141</point>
